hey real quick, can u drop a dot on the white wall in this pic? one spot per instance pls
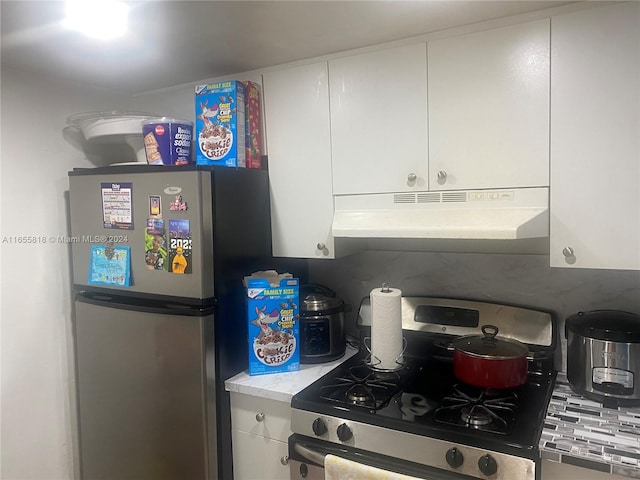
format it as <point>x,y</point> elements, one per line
<point>37,427</point>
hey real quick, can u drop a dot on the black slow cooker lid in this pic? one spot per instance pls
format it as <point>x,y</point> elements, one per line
<point>608,325</point>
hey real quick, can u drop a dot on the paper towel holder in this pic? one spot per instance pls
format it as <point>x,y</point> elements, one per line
<point>374,366</point>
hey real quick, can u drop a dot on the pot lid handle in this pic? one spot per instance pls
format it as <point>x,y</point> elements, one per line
<point>490,332</point>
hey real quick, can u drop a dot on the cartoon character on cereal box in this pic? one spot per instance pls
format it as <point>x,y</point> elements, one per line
<point>207,113</point>
<point>263,321</point>
<point>272,345</point>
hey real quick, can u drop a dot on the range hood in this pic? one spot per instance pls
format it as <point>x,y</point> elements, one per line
<point>500,214</point>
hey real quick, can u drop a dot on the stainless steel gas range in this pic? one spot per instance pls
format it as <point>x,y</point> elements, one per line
<point>419,419</point>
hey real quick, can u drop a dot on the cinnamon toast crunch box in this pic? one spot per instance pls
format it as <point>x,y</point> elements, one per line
<point>274,329</point>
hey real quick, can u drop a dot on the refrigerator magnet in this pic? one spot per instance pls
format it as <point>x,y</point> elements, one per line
<point>117,211</point>
<point>178,204</point>
<point>110,265</point>
<point>179,246</point>
<point>155,208</point>
<point>155,245</point>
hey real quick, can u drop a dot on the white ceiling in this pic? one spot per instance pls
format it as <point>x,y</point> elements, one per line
<point>178,42</point>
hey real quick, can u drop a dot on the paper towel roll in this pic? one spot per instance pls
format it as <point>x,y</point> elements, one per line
<point>386,327</point>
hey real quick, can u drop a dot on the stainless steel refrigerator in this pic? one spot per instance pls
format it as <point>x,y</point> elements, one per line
<point>158,258</point>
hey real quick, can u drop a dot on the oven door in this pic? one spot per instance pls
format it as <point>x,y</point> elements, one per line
<point>306,461</point>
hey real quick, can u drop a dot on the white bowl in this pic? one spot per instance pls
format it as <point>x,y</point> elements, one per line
<point>112,128</point>
<point>95,125</point>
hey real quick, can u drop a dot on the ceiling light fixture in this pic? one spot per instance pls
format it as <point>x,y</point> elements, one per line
<point>102,19</point>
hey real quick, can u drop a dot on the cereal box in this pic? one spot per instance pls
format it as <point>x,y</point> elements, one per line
<point>220,124</point>
<point>274,330</point>
<point>253,125</point>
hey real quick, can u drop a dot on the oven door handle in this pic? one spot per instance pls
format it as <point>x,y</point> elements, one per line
<point>308,454</point>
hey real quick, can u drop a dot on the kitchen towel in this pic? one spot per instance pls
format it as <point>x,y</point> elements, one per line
<point>386,327</point>
<point>338,468</point>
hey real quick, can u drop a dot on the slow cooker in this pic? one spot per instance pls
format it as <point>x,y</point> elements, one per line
<point>603,356</point>
<point>322,330</point>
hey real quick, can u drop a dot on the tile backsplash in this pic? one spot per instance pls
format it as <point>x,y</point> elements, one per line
<point>525,280</point>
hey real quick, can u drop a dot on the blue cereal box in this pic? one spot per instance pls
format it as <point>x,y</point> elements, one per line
<point>274,329</point>
<point>220,124</point>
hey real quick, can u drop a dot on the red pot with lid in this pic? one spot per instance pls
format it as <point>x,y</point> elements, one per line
<point>489,361</point>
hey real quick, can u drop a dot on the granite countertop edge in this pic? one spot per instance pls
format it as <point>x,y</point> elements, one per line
<point>582,432</point>
<point>283,386</point>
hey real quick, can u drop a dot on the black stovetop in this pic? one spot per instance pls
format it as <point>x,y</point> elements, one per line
<point>424,398</point>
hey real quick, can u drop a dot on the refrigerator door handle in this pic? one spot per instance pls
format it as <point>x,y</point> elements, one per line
<point>143,305</point>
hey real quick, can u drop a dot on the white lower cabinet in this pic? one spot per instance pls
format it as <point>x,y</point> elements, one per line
<point>259,458</point>
<point>260,428</point>
<point>595,152</point>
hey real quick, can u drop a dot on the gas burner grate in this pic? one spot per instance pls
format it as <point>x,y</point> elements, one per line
<point>362,386</point>
<point>482,409</point>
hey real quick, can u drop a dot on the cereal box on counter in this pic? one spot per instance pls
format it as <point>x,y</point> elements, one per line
<point>273,316</point>
<point>253,125</point>
<point>220,124</point>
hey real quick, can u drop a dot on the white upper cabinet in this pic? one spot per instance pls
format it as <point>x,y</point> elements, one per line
<point>489,108</point>
<point>595,138</point>
<point>379,121</point>
<point>298,136</point>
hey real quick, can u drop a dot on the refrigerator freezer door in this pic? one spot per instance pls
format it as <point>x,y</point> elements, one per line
<point>141,395</point>
<point>152,193</point>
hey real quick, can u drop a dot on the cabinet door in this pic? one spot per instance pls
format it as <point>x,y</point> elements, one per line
<point>379,120</point>
<point>298,136</point>
<point>595,151</point>
<point>259,458</point>
<point>489,108</point>
<point>261,416</point>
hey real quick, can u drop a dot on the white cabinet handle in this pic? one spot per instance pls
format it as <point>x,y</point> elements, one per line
<point>284,460</point>
<point>412,177</point>
<point>321,246</point>
<point>442,176</point>
<point>567,252</point>
<point>259,417</point>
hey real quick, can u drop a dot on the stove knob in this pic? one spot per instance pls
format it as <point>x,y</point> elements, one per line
<point>454,457</point>
<point>487,465</point>
<point>319,427</point>
<point>344,432</point>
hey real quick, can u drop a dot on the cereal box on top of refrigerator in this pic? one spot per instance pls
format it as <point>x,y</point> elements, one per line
<point>220,124</point>
<point>253,125</point>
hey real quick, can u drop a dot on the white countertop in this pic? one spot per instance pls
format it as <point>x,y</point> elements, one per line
<point>282,386</point>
